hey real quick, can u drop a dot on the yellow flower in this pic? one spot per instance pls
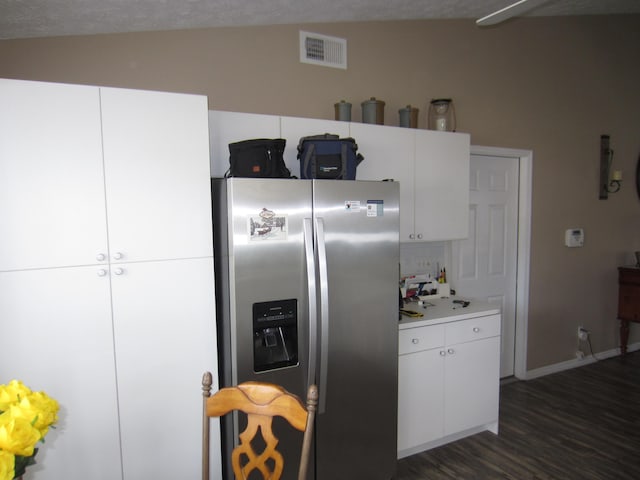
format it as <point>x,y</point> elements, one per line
<point>17,435</point>
<point>37,408</point>
<point>11,393</point>
<point>7,465</point>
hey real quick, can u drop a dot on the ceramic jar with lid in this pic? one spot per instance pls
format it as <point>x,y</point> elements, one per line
<point>373,111</point>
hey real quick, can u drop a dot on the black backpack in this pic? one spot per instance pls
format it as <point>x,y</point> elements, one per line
<point>259,157</point>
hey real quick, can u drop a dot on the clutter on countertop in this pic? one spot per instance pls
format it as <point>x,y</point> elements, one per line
<point>440,310</point>
<point>424,285</point>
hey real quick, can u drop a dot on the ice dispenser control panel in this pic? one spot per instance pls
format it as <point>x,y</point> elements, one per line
<point>275,334</point>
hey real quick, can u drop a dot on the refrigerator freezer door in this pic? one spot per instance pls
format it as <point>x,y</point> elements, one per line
<point>262,278</point>
<point>267,264</point>
<point>356,431</point>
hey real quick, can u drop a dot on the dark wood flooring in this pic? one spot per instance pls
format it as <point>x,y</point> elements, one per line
<point>582,423</point>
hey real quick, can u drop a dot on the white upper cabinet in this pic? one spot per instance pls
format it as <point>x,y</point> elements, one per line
<point>77,162</point>
<point>433,171</point>
<point>51,177</point>
<point>432,167</point>
<point>441,185</point>
<point>231,127</point>
<point>156,175</point>
<point>294,128</point>
<point>389,154</point>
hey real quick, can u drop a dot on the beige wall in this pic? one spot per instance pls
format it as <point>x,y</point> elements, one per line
<point>552,85</point>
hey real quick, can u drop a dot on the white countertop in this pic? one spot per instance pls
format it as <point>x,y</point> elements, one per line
<point>440,310</point>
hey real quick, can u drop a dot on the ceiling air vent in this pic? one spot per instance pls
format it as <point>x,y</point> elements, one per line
<point>323,50</point>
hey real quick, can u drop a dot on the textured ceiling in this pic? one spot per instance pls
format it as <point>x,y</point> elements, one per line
<point>44,18</point>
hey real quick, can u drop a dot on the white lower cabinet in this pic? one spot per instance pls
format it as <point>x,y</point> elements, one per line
<point>57,338</point>
<point>164,331</point>
<point>449,380</point>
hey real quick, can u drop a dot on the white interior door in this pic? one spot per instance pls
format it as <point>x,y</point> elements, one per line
<point>485,263</point>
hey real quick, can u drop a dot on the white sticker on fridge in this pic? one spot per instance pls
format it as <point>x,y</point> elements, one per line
<point>375,208</point>
<point>267,225</point>
<point>352,205</point>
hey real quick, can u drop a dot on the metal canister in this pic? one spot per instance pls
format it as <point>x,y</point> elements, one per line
<point>343,111</point>
<point>373,111</point>
<point>408,117</point>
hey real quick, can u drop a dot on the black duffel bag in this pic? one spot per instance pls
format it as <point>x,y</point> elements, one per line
<point>259,157</point>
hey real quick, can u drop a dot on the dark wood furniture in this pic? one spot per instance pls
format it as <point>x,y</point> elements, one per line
<point>261,402</point>
<point>628,302</point>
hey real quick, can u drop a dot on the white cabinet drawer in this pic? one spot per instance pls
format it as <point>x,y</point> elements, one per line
<point>473,329</point>
<point>422,338</point>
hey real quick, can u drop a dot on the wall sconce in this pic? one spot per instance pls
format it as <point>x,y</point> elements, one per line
<point>609,182</point>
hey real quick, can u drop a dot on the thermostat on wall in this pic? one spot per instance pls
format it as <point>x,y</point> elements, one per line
<point>574,237</point>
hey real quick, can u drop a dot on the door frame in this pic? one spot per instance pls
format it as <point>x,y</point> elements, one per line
<point>525,160</point>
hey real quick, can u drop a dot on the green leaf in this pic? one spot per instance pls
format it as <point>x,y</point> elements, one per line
<point>23,462</point>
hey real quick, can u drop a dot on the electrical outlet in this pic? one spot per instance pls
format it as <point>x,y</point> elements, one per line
<point>423,263</point>
<point>583,333</point>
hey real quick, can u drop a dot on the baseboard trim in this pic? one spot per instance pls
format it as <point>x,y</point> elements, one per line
<point>575,363</point>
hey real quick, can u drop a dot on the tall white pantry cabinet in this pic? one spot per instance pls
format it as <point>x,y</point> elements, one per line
<point>106,273</point>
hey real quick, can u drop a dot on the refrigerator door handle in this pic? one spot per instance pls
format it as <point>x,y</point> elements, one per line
<point>324,313</point>
<point>307,229</point>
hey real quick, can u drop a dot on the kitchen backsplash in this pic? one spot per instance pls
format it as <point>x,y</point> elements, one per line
<point>427,257</point>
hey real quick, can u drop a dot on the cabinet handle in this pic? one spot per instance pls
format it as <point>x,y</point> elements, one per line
<point>117,256</point>
<point>415,341</point>
<point>476,329</point>
<point>101,257</point>
<point>412,236</point>
<point>451,351</point>
<point>442,353</point>
<point>118,271</point>
<point>419,236</point>
<point>102,272</point>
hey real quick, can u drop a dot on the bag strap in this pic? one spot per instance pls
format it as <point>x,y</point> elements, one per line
<point>308,157</point>
<point>344,160</point>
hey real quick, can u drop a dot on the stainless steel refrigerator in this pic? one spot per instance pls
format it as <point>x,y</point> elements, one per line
<point>307,292</point>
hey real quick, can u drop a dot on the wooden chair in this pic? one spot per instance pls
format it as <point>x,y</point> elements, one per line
<point>261,402</point>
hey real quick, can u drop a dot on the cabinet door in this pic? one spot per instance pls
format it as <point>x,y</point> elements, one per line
<point>230,127</point>
<point>57,337</point>
<point>472,384</point>
<point>442,185</point>
<point>389,153</point>
<point>51,181</point>
<point>156,161</point>
<point>165,339</point>
<point>294,128</point>
<point>420,398</point>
